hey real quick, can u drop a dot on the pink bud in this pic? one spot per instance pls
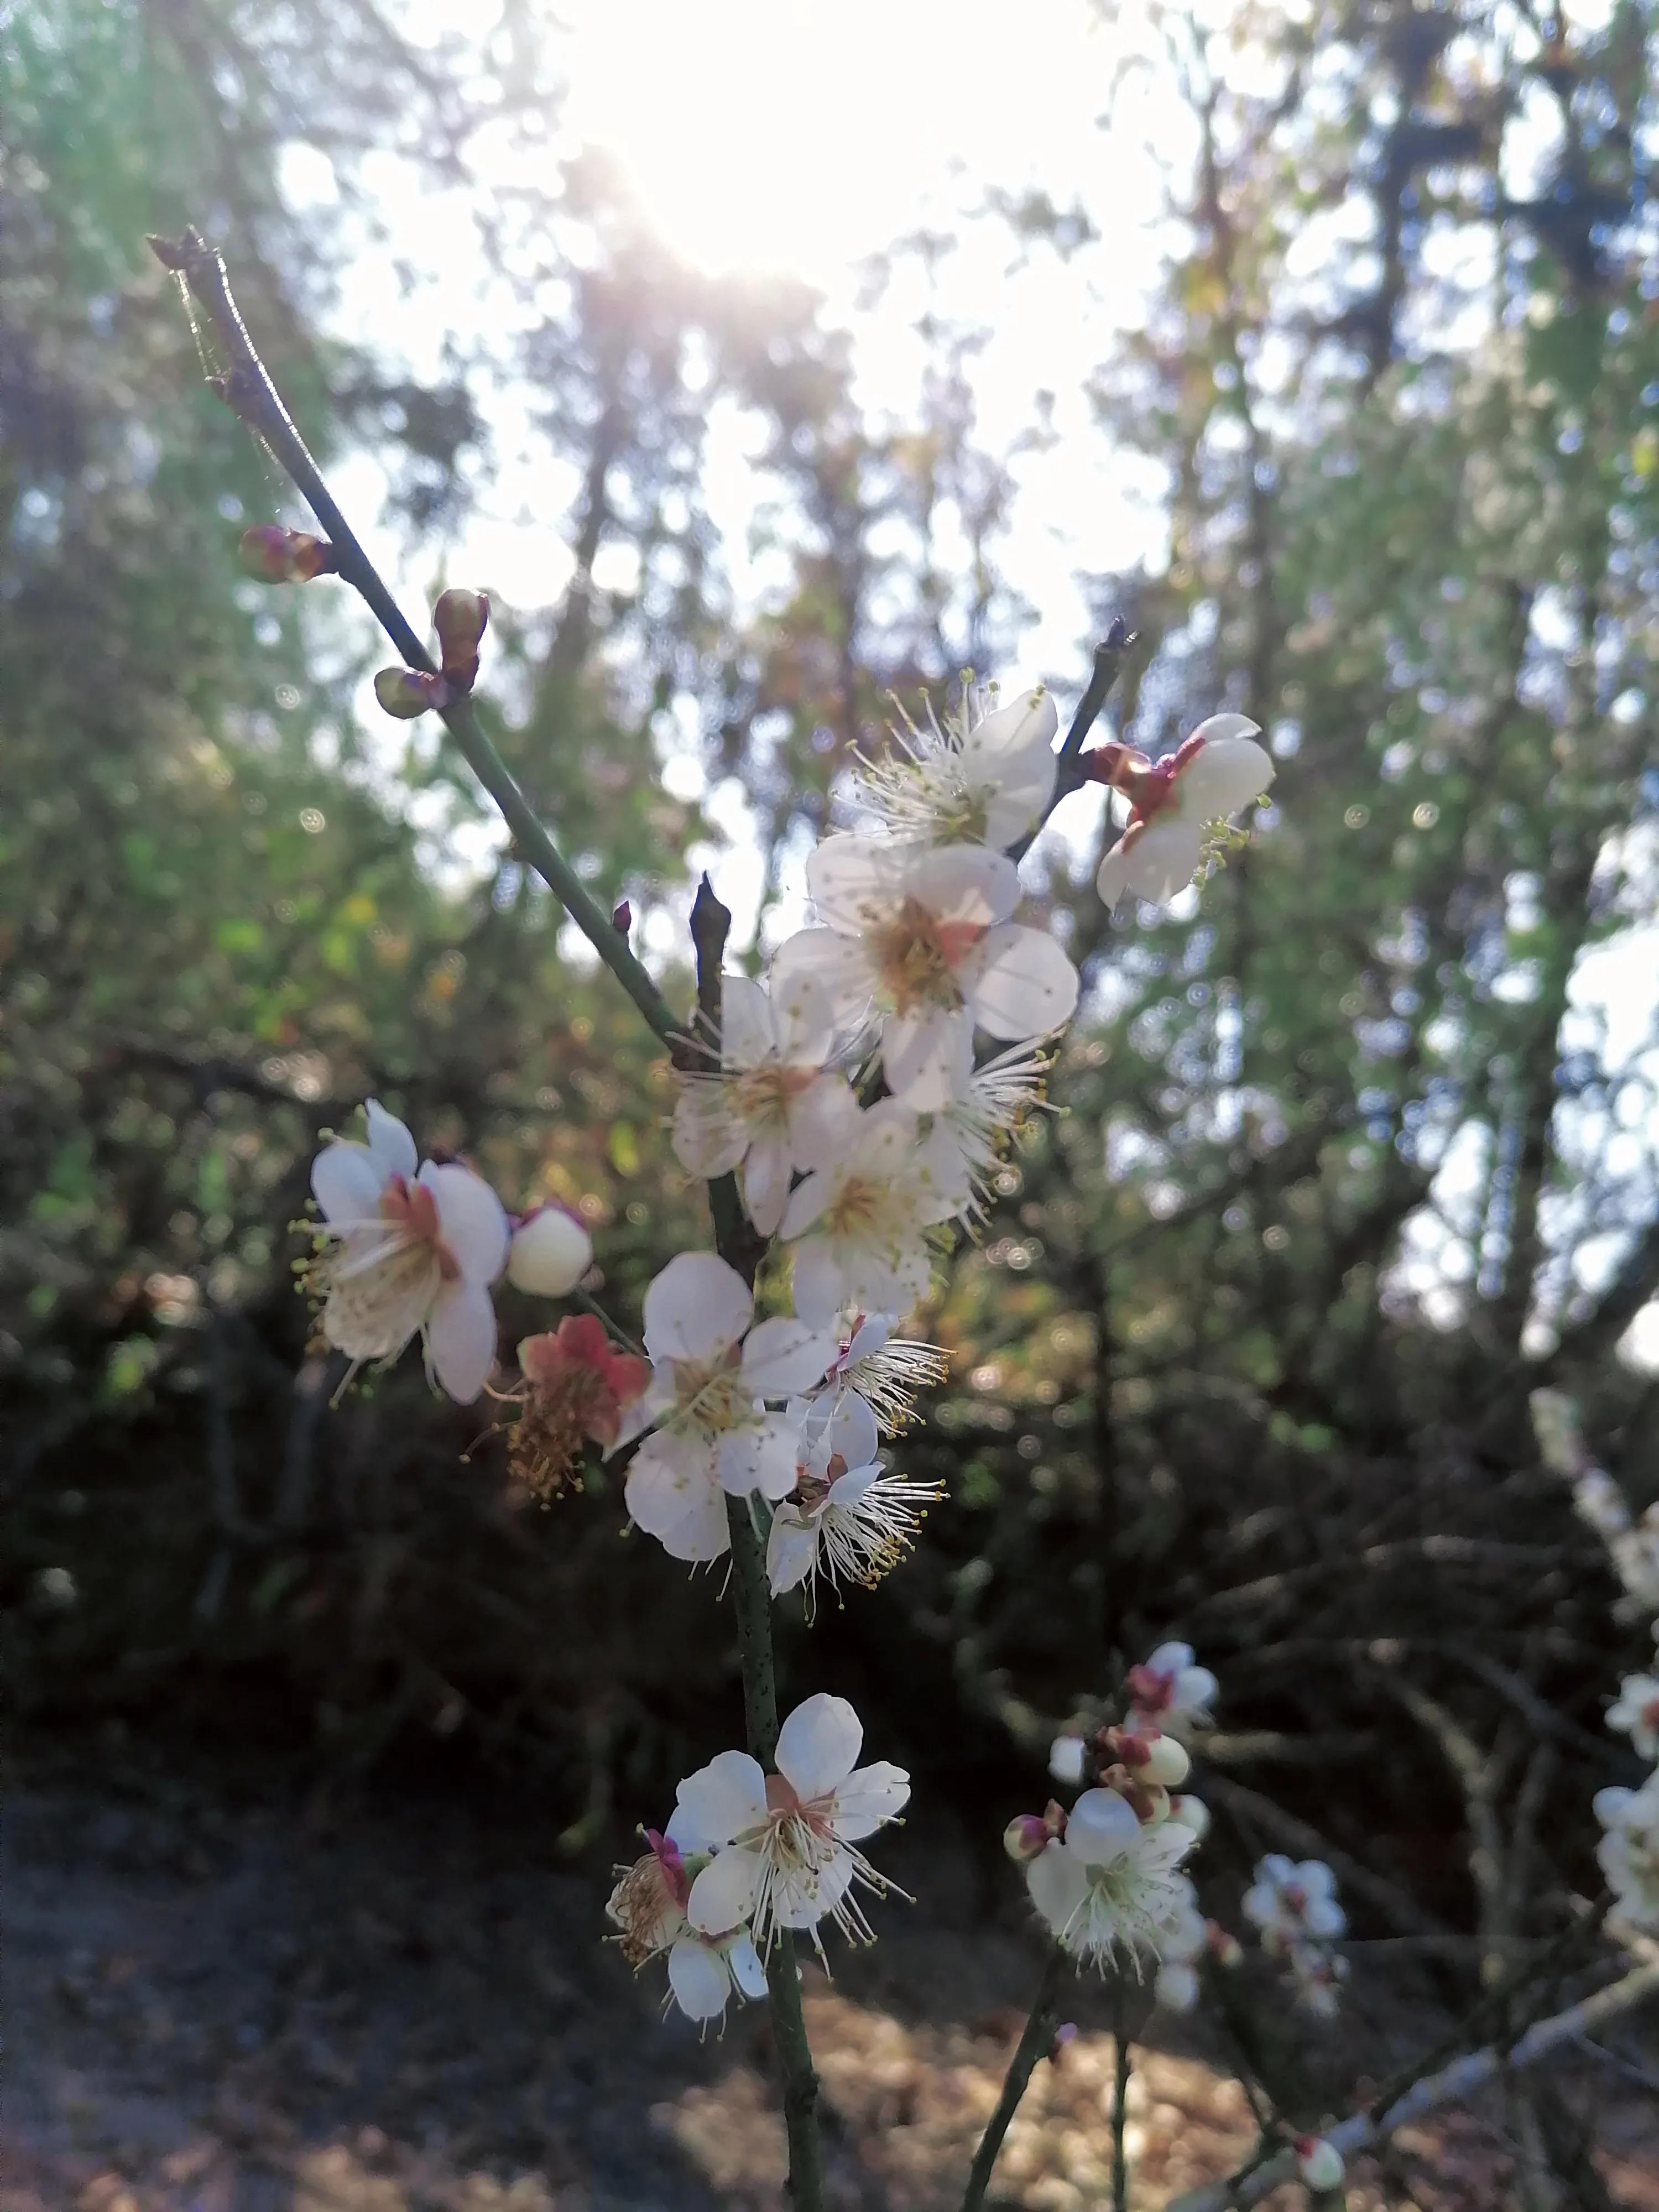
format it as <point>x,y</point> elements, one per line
<point>460,618</point>
<point>621,918</point>
<point>1319,2163</point>
<point>1025,1838</point>
<point>406,692</point>
<point>277,556</point>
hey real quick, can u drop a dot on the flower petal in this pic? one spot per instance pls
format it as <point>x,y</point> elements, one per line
<point>822,967</point>
<point>472,1219</point>
<point>804,1022</point>
<point>723,1895</point>
<point>763,1456</point>
<point>964,883</point>
<point>708,1138</point>
<point>853,1433</point>
<point>696,1308</point>
<point>784,1355</point>
<point>746,1036</point>
<point>698,1977</point>
<point>747,1972</point>
<point>1027,718</point>
<point>1156,865</point>
<point>390,1144</point>
<point>920,1052</point>
<point>460,1339</point>
<point>671,1493</point>
<point>821,1121</point>
<point>726,1798</point>
<point>868,1799</point>
<point>766,1182</point>
<point>816,1279</point>
<point>849,878</point>
<point>1019,982</point>
<point>818,1744</point>
<point>803,1895</point>
<point>346,1181</point>
<point>1058,1885</point>
<point>790,1547</point>
<point>1101,1825</point>
<point>1227,774</point>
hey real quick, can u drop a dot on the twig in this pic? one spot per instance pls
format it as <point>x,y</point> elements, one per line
<point>1036,2039</point>
<point>1461,2078</point>
<point>1069,773</point>
<point>247,388</point>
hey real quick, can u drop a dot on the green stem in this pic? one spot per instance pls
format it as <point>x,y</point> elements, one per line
<point>1034,2042</point>
<point>248,391</point>
<point>1123,2049</point>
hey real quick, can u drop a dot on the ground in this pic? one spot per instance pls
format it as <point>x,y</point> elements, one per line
<point>275,2000</point>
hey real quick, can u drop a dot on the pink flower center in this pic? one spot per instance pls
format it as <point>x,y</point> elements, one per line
<point>916,954</point>
<point>1150,1690</point>
<point>412,1210</point>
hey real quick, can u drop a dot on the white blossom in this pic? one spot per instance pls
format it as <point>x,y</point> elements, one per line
<point>1318,1974</point>
<point>1628,1852</point>
<point>711,1372</point>
<point>773,1105</point>
<point>1067,1755</point>
<point>1636,1713</point>
<point>847,1518</point>
<point>1110,1883</point>
<point>1292,1901</point>
<point>1168,1691</point>
<point>551,1253</point>
<point>1182,1946</point>
<point>647,1907</point>
<point>883,1370</point>
<point>983,779</point>
<point>860,1226</point>
<point>1177,804</point>
<point>408,1253</point>
<point>988,1107</point>
<point>785,1843</point>
<point>919,937</point>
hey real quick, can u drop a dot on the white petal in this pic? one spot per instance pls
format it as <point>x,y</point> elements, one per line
<point>1100,1826</point>
<point>1057,1883</point>
<point>868,1799</point>
<point>818,1744</point>
<point>964,883</point>
<point>871,1335</point>
<point>1027,718</point>
<point>1227,774</point>
<point>823,1122</point>
<point>852,1434</point>
<point>920,1052</point>
<point>763,1456</point>
<point>1171,1658</point>
<point>847,1490</point>
<point>698,1978</point>
<point>708,1138</point>
<point>1195,1689</point>
<point>550,1254</point>
<point>790,1547</point>
<point>390,1143</point>
<point>747,1972</point>
<point>785,1355</point>
<point>1161,862</point>
<point>1024,787</point>
<point>724,1799</point>
<point>822,967</point>
<point>696,1309</point>
<point>1065,1757</point>
<point>746,1036</point>
<point>346,1181</point>
<point>815,1279</point>
<point>850,876</point>
<point>672,1494</point>
<point>939,1176</point>
<point>766,1183</point>
<point>803,1021</point>
<point>801,1898</point>
<point>461,1340</point>
<point>723,1895</point>
<point>1227,726</point>
<point>472,1219</point>
<point>1019,982</point>
<point>807,1201</point>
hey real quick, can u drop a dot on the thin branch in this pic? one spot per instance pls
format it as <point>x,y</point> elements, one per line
<point>1035,2041</point>
<point>247,390</point>
<point>1070,774</point>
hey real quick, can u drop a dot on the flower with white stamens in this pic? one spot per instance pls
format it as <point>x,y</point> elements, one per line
<point>1168,1691</point>
<point>1636,1713</point>
<point>1293,1901</point>
<point>785,1843</point>
<point>1628,1853</point>
<point>1110,1884</point>
<point>1185,1939</point>
<point>773,1105</point>
<point>919,937</point>
<point>408,1252</point>
<point>883,1370</point>
<point>860,1226</point>
<point>1179,805</point>
<point>846,1517</point>
<point>989,1108</point>
<point>983,779</point>
<point>713,1365</point>
<point>647,1907</point>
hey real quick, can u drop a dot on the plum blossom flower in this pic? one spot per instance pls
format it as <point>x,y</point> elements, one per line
<point>1176,803</point>
<point>1111,1883</point>
<point>1628,1853</point>
<point>576,1387</point>
<point>1184,1943</point>
<point>884,1371</point>
<point>920,935</point>
<point>785,1843</point>
<point>984,778</point>
<point>988,1109</point>
<point>408,1253</point>
<point>851,1522</point>
<point>772,1105</point>
<point>1293,1901</point>
<point>1318,1974</point>
<point>647,1907</point>
<point>1169,1692</point>
<point>1636,1713</point>
<point>859,1226</point>
<point>551,1253</point>
<point>712,1367</point>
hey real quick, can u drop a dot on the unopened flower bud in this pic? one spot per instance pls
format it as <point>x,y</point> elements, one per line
<point>406,692</point>
<point>1224,1946</point>
<point>277,556</point>
<point>621,918</point>
<point>1319,2163</point>
<point>1125,1747</point>
<point>1187,1812</point>
<point>550,1254</point>
<point>1166,1762</point>
<point>1066,1758</point>
<point>460,618</point>
<point>1025,1838</point>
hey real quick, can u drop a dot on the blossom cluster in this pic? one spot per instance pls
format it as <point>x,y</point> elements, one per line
<point>747,1853</point>
<point>1292,1905</point>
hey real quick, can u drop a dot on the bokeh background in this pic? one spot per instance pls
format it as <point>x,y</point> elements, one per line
<point>761,361</point>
